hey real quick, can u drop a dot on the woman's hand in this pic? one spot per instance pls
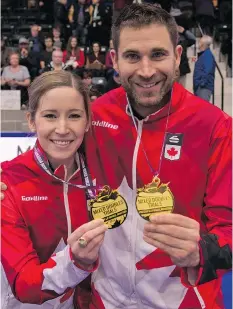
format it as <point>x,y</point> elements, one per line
<point>92,234</point>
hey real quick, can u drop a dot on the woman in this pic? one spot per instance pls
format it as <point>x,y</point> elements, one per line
<point>16,77</point>
<point>47,246</point>
<point>73,55</point>
<point>96,59</point>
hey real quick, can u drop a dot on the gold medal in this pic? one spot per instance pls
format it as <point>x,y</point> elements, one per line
<point>110,206</point>
<point>154,198</point>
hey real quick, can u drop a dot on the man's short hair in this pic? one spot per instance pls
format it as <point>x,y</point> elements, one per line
<point>141,15</point>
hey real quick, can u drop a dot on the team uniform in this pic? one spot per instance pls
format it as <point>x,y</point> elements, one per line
<point>195,170</point>
<point>194,180</point>
<point>38,214</point>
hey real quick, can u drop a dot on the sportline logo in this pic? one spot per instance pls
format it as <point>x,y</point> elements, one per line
<point>34,198</point>
<point>104,124</point>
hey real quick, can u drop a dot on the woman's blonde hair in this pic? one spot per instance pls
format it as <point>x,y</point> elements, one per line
<point>51,80</point>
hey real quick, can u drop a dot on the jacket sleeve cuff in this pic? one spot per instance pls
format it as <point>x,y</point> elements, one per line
<point>185,280</point>
<point>91,270</point>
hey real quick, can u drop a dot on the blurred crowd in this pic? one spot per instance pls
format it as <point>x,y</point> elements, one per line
<point>80,41</point>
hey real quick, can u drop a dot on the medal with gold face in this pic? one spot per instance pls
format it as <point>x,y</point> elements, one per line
<point>110,206</point>
<point>154,198</point>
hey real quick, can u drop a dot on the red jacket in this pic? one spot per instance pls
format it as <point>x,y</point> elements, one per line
<point>134,274</point>
<point>80,60</point>
<point>38,214</point>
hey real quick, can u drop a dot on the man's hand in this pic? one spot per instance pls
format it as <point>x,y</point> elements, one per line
<point>177,235</point>
<point>93,233</point>
<point>180,29</point>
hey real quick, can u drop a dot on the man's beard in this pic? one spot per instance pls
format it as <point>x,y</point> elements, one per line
<point>161,97</point>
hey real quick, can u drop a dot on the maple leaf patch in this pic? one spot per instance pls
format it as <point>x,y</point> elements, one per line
<point>172,152</point>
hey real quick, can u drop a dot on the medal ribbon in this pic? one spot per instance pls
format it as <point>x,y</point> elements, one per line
<point>153,171</point>
<point>43,162</point>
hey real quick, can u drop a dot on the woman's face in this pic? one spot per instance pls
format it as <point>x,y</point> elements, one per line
<point>60,123</point>
<point>96,47</point>
<point>73,42</point>
<point>14,60</point>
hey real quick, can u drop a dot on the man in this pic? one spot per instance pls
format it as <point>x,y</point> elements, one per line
<point>28,58</point>
<point>46,55</point>
<point>56,63</point>
<point>204,71</point>
<point>35,39</point>
<point>154,158</point>
<point>173,260</point>
<point>61,16</point>
<point>79,18</point>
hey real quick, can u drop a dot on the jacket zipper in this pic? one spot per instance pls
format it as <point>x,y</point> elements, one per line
<point>134,214</point>
<point>201,300</point>
<point>67,207</point>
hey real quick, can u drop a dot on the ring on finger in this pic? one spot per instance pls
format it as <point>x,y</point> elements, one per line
<point>82,242</point>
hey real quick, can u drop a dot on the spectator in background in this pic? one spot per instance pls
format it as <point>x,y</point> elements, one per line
<point>205,15</point>
<point>186,39</point>
<point>204,71</point>
<point>57,36</point>
<point>56,63</point>
<point>5,52</point>
<point>36,40</point>
<point>79,18</point>
<point>73,55</point>
<point>97,13</point>
<point>113,82</point>
<point>96,60</point>
<point>47,10</point>
<point>61,16</point>
<point>94,93</point>
<point>46,55</point>
<point>16,77</point>
<point>29,58</point>
<point>87,78</point>
<point>57,46</point>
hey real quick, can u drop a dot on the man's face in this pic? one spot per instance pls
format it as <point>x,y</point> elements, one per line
<point>23,46</point>
<point>56,33</point>
<point>81,1</point>
<point>147,63</point>
<point>34,31</point>
<point>48,43</point>
<point>57,57</point>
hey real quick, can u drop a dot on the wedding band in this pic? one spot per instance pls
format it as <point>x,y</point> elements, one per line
<point>82,242</point>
